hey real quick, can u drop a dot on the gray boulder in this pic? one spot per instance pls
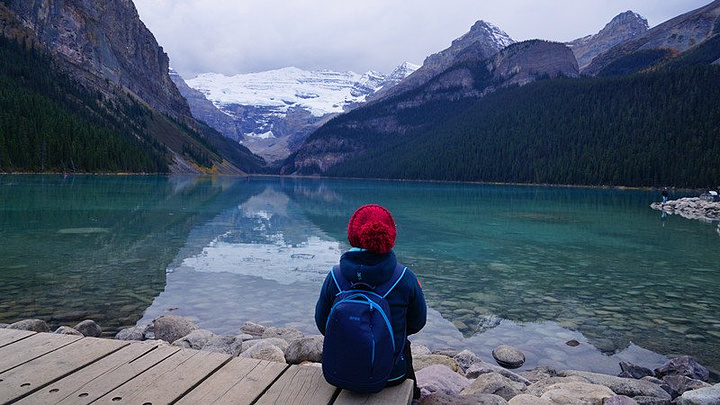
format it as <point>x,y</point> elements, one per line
<point>282,344</point>
<point>226,344</point>
<point>34,325</point>
<point>494,383</point>
<point>621,386</point>
<point>440,379</point>
<point>172,327</point>
<point>305,349</point>
<point>630,370</point>
<point>676,385</point>
<point>420,362</point>
<point>289,334</point>
<point>442,398</point>
<point>66,330</point>
<point>701,396</point>
<point>538,388</point>
<point>508,356</point>
<point>538,373</point>
<point>264,351</point>
<point>577,393</point>
<point>527,399</point>
<point>465,359</point>
<point>644,400</point>
<point>135,333</point>
<point>419,350</point>
<point>194,340</point>
<point>619,400</point>
<point>89,328</point>
<point>653,380</point>
<point>251,328</point>
<point>481,367</point>
<point>684,365</point>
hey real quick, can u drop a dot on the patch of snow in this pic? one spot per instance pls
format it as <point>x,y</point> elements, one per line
<point>500,36</point>
<point>264,135</point>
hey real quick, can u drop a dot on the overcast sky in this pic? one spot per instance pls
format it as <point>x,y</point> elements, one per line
<point>243,36</point>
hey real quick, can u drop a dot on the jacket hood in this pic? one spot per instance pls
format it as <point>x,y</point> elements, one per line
<point>367,267</point>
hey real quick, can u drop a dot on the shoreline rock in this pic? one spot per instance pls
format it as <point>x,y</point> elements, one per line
<point>447,376</point>
<point>691,208</point>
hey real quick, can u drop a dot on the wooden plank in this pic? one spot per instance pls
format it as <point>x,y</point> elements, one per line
<point>239,382</point>
<point>169,380</point>
<point>32,347</point>
<point>8,336</point>
<point>101,377</point>
<point>299,385</point>
<point>399,394</point>
<point>42,371</point>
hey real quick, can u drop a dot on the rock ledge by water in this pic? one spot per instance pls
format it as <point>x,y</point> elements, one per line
<point>691,208</point>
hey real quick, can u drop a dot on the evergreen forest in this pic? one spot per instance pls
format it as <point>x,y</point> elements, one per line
<point>656,128</point>
<point>48,123</point>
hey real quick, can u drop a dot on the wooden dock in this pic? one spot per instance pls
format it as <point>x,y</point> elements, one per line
<point>46,368</point>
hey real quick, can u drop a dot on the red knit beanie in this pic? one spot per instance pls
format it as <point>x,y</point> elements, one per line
<point>372,227</point>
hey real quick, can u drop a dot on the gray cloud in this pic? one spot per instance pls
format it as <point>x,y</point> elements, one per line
<point>241,36</point>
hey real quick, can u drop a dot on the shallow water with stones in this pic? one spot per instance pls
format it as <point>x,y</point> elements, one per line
<point>533,267</point>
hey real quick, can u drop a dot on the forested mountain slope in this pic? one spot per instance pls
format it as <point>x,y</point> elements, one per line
<point>655,129</point>
<point>77,94</point>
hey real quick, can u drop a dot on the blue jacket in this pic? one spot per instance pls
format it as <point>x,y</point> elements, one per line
<point>407,302</point>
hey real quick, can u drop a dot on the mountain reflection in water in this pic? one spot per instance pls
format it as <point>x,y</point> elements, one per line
<point>267,261</point>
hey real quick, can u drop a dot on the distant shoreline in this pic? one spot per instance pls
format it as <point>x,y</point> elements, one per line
<point>280,176</point>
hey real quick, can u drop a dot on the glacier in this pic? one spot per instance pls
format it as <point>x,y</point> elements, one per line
<point>320,92</point>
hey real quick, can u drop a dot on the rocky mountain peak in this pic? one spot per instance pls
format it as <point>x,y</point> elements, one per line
<point>105,42</point>
<point>485,33</point>
<point>623,27</point>
<point>625,19</point>
<point>672,37</point>
<point>401,72</point>
<point>482,41</point>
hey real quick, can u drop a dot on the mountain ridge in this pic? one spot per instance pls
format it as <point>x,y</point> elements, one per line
<point>673,37</point>
<point>427,119</point>
<point>458,86</point>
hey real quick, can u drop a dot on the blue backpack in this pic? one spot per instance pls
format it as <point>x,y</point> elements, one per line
<point>359,346</point>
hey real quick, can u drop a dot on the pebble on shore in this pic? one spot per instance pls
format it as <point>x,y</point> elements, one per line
<point>446,377</point>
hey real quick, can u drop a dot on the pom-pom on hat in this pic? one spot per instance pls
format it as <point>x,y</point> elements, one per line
<point>372,227</point>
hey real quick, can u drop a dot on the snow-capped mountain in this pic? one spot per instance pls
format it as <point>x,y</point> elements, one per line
<point>274,111</point>
<point>483,40</point>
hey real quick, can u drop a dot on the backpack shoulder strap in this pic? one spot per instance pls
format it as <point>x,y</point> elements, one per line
<point>385,288</point>
<point>341,283</point>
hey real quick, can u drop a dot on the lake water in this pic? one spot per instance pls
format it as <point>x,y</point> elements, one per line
<point>533,267</point>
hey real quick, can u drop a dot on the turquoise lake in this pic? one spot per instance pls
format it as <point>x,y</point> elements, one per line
<point>533,267</point>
